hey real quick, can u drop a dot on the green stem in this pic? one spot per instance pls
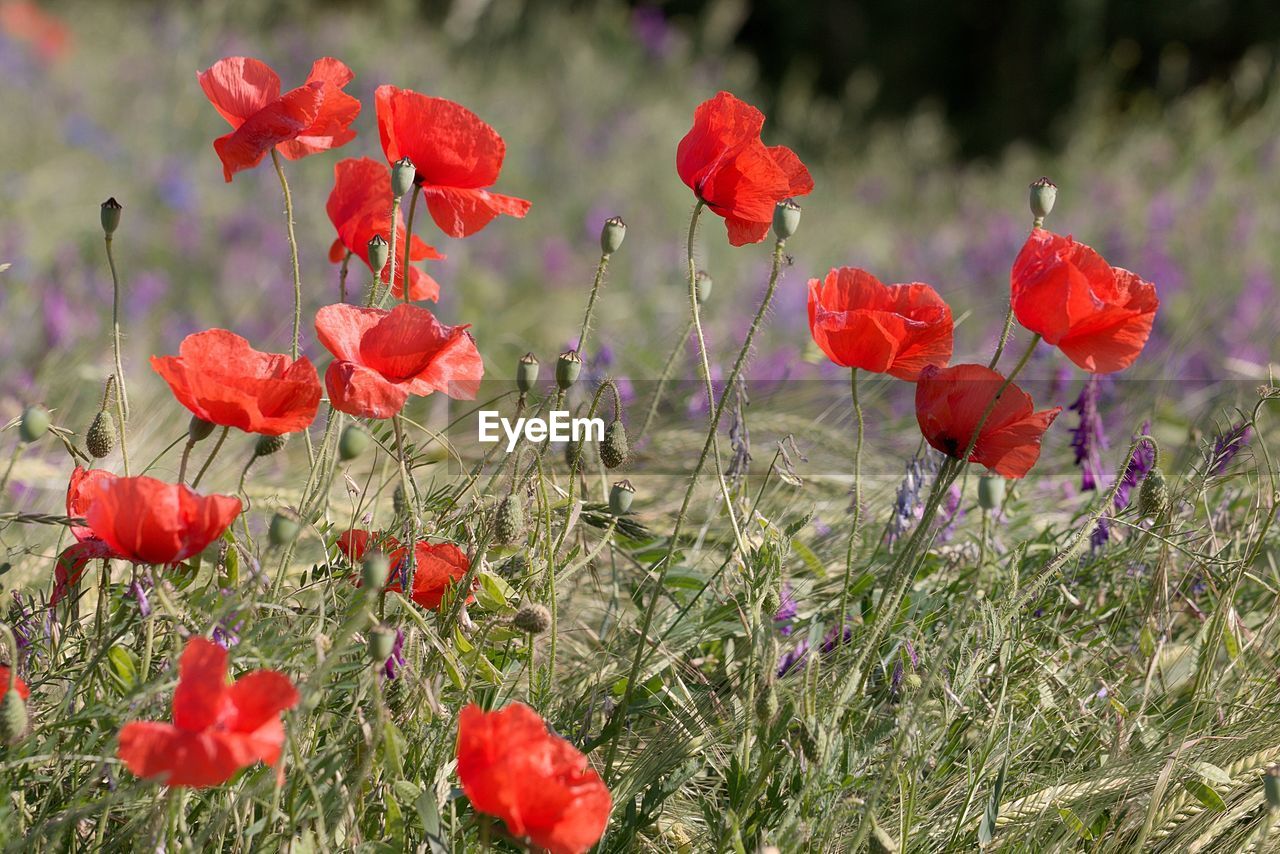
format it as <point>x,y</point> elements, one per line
<point>408,242</point>
<point>601,267</point>
<point>297,276</point>
<point>410,526</point>
<point>186,458</point>
<point>122,395</point>
<point>667,370</point>
<point>342,277</point>
<point>1004,338</point>
<point>222,437</point>
<point>857,499</point>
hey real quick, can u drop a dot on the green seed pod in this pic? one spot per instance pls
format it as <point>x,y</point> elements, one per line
<point>620,497</point>
<point>353,442</point>
<point>13,717</point>
<point>527,373</point>
<point>532,618</point>
<point>100,438</point>
<point>1153,497</point>
<point>375,569</point>
<point>284,528</point>
<point>1043,194</point>
<point>786,219</point>
<point>702,284</point>
<point>615,450</point>
<point>34,423</point>
<point>198,429</point>
<point>403,173</point>
<point>379,252</point>
<point>268,445</point>
<point>381,643</point>
<point>568,368</point>
<point>990,492</point>
<point>766,703</point>
<point>612,235</point>
<point>508,520</point>
<point>1271,787</point>
<point>111,216</point>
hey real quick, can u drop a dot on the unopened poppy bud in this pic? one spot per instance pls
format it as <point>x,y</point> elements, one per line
<point>786,219</point>
<point>702,284</point>
<point>375,569</point>
<point>198,429</point>
<point>568,368</point>
<point>284,528</point>
<point>268,445</point>
<point>508,520</point>
<point>1153,497</point>
<point>34,423</point>
<point>1271,787</point>
<point>990,492</point>
<point>403,173</point>
<point>532,618</point>
<point>620,497</point>
<point>111,216</point>
<point>615,449</point>
<point>13,717</point>
<point>612,235</point>
<point>527,373</point>
<point>353,442</point>
<point>382,642</point>
<point>379,252</point>
<point>1043,194</point>
<point>100,438</point>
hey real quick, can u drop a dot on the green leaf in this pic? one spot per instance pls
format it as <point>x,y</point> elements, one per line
<point>494,593</point>
<point>987,830</point>
<point>1073,821</point>
<point>1204,793</point>
<point>122,667</point>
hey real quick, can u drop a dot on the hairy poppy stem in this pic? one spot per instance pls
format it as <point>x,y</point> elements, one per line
<point>342,277</point>
<point>601,267</point>
<point>857,499</point>
<point>122,396</point>
<point>665,377</point>
<point>1004,337</point>
<point>186,458</point>
<point>410,524</point>
<point>297,277</point>
<point>375,298</point>
<point>408,242</point>
<point>8,470</point>
<point>222,437</point>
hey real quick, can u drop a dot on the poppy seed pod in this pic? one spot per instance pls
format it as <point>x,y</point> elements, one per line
<point>568,368</point>
<point>1043,194</point>
<point>34,423</point>
<point>353,442</point>
<point>111,216</point>
<point>620,497</point>
<point>198,429</point>
<point>527,373</point>
<point>381,643</point>
<point>702,284</point>
<point>615,449</point>
<point>13,717</point>
<point>532,618</point>
<point>1271,787</point>
<point>1153,497</point>
<point>379,252</point>
<point>508,520</point>
<point>786,219</point>
<point>284,529</point>
<point>990,492</point>
<point>375,569</point>
<point>403,173</point>
<point>268,445</point>
<point>100,438</point>
<point>612,235</point>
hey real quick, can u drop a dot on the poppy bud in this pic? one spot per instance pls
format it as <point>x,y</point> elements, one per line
<point>375,569</point>
<point>381,643</point>
<point>612,235</point>
<point>34,423</point>
<point>111,216</point>
<point>1043,194</point>
<point>508,520</point>
<point>1271,787</point>
<point>527,373</point>
<point>268,445</point>
<point>1153,497</point>
<point>990,492</point>
<point>379,252</point>
<point>620,497</point>
<point>532,618</point>
<point>284,529</point>
<point>100,439</point>
<point>786,219</point>
<point>568,368</point>
<point>198,429</point>
<point>403,173</point>
<point>13,717</point>
<point>702,286</point>
<point>615,449</point>
<point>353,442</point>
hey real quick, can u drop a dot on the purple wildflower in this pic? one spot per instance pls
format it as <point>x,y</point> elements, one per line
<point>794,659</point>
<point>1144,457</point>
<point>1227,446</point>
<point>835,638</point>
<point>138,590</point>
<point>395,662</point>
<point>951,514</point>
<point>908,507</point>
<point>786,611</point>
<point>1088,438</point>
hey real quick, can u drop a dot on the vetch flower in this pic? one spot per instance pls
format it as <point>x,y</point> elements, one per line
<point>217,728</point>
<point>1098,315</point>
<point>730,169</point>
<point>1226,446</point>
<point>787,610</point>
<point>359,207</point>
<point>437,566</point>
<point>222,380</point>
<point>382,357</point>
<point>312,118</point>
<point>1136,469</point>
<point>887,329</point>
<point>456,155</point>
<point>950,403</point>
<point>1089,436</point>
<point>540,785</point>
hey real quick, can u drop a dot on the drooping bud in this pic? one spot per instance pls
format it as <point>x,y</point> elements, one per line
<point>1153,497</point>
<point>13,717</point>
<point>568,368</point>
<point>379,252</point>
<point>702,284</point>
<point>403,173</point>
<point>527,373</point>
<point>375,569</point>
<point>268,445</point>
<point>284,528</point>
<point>100,438</point>
<point>990,492</point>
<point>786,219</point>
<point>612,235</point>
<point>1043,194</point>
<point>615,450</point>
<point>353,442</point>
<point>381,643</point>
<point>111,216</point>
<point>508,520</point>
<point>34,423</point>
<point>198,429</point>
<point>1271,787</point>
<point>620,497</point>
<point>532,618</point>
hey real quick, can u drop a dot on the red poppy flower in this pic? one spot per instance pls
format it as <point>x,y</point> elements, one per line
<point>1098,315</point>
<point>314,117</point>
<point>23,691</point>
<point>360,207</point>
<point>71,563</point>
<point>437,566</point>
<point>223,380</point>
<point>217,728</point>
<point>81,489</point>
<point>887,329</point>
<point>456,156</point>
<point>723,160</point>
<point>144,520</point>
<point>539,784</point>
<point>950,403</point>
<point>382,357</point>
<point>25,21</point>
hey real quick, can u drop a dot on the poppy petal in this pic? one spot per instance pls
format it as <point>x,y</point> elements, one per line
<point>281,120</point>
<point>238,87</point>
<point>259,697</point>
<point>70,566</point>
<point>176,757</point>
<point>362,392</point>
<point>461,212</point>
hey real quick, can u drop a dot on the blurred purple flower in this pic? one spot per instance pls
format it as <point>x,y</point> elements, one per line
<point>835,638</point>
<point>1227,446</point>
<point>1143,458</point>
<point>650,28</point>
<point>786,612</point>
<point>794,659</point>
<point>1088,437</point>
<point>395,662</point>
